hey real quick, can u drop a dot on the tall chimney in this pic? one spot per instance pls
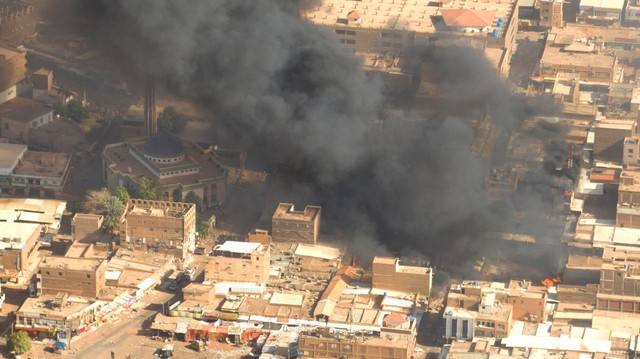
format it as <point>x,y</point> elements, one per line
<point>150,118</point>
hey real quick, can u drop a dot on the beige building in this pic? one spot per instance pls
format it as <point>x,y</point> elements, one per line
<point>13,70</point>
<point>159,226</point>
<point>289,225</point>
<point>49,315</point>
<point>85,227</point>
<point>325,345</point>
<point>628,208</point>
<point>27,173</point>
<point>397,27</point>
<point>619,288</point>
<point>238,262</point>
<point>609,139</point>
<point>176,166</point>
<point>601,12</point>
<point>18,249</point>
<point>20,116</point>
<point>551,14</point>
<point>84,277</point>
<point>389,274</point>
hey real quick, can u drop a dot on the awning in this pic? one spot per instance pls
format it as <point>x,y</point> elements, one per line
<point>182,326</point>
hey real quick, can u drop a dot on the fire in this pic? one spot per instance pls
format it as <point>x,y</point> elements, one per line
<point>550,282</point>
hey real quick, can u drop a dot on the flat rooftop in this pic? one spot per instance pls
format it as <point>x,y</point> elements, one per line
<point>74,264</point>
<point>629,181</point>
<point>603,4</point>
<point>238,247</point>
<point>158,208</point>
<point>555,56</point>
<point>400,15</point>
<point>9,155</point>
<point>9,53</point>
<point>49,206</point>
<point>14,235</point>
<point>598,34</point>
<point>23,109</point>
<point>317,251</point>
<point>287,211</point>
<point>43,164</point>
<point>40,306</point>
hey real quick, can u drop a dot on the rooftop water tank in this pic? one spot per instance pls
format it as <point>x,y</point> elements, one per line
<point>496,33</point>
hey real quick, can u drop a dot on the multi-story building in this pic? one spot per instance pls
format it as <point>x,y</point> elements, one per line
<point>628,208</point>
<point>632,14</point>
<point>289,225</point>
<point>609,139</point>
<point>177,166</point>
<point>389,274</point>
<point>600,12</point>
<point>325,345</point>
<point>238,262</point>
<point>487,309</point>
<point>20,116</point>
<point>18,249</point>
<point>619,288</point>
<point>84,277</point>
<point>85,227</point>
<point>561,56</point>
<point>24,172</point>
<point>159,226</point>
<point>551,14</point>
<point>398,27</point>
<point>13,70</point>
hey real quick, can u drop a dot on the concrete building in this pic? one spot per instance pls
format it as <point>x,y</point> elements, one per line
<point>488,309</point>
<point>628,208</point>
<point>159,226</point>
<point>24,172</point>
<point>632,14</point>
<point>13,70</point>
<point>609,139</point>
<point>50,315</point>
<point>289,225</point>
<point>238,262</point>
<point>19,116</point>
<point>551,14</point>
<point>398,27</point>
<point>477,309</point>
<point>389,274</point>
<point>19,249</point>
<point>600,12</point>
<point>84,277</point>
<point>320,344</point>
<point>566,92</point>
<point>631,151</point>
<point>619,288</point>
<point>85,228</point>
<point>562,56</point>
<point>175,165</point>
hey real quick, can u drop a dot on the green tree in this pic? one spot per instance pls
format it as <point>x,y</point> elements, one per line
<point>76,111</point>
<point>171,120</point>
<point>147,190</point>
<point>114,208</point>
<point>95,201</point>
<point>19,342</point>
<point>122,194</point>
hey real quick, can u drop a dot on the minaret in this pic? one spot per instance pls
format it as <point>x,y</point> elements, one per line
<point>150,118</point>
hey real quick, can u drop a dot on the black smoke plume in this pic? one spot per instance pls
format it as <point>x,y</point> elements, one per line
<point>291,94</point>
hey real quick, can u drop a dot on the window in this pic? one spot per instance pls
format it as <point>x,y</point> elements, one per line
<point>351,33</point>
<point>351,42</point>
<point>340,32</point>
<point>47,273</point>
<point>89,276</point>
<point>60,274</point>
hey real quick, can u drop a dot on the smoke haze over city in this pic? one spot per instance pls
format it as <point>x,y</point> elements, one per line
<point>290,94</point>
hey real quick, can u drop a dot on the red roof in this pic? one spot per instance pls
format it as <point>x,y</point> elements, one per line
<point>353,15</point>
<point>467,18</point>
<point>395,318</point>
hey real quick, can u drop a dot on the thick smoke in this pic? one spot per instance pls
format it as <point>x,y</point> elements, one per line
<point>291,94</point>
